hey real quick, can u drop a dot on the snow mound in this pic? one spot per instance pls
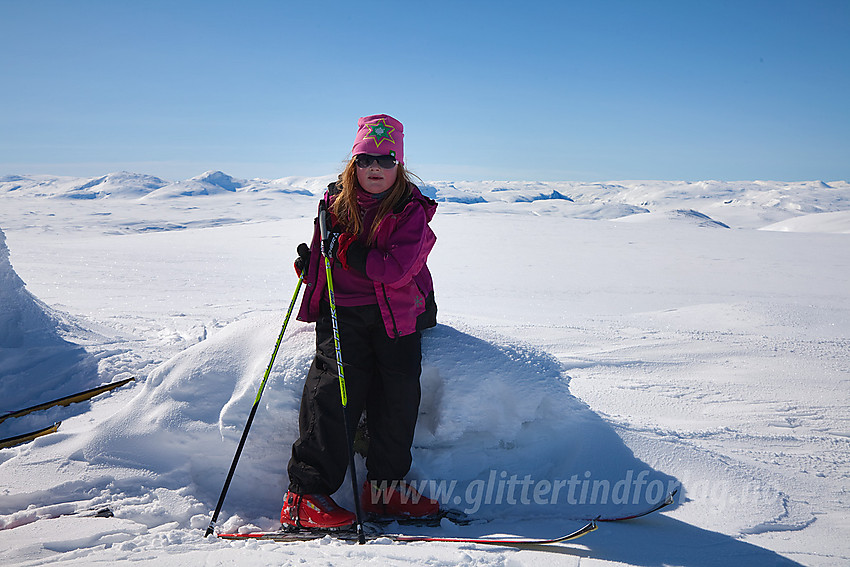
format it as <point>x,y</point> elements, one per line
<point>32,352</point>
<point>187,419</point>
<point>24,320</point>
<point>685,216</point>
<point>498,429</point>
<point>835,223</point>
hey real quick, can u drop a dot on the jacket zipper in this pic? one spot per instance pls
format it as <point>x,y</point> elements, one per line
<point>390,309</point>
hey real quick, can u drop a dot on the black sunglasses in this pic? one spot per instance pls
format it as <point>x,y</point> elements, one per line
<point>365,160</point>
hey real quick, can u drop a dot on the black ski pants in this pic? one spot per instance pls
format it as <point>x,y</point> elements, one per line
<point>381,377</point>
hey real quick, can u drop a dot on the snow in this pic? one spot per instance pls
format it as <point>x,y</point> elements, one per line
<point>600,344</point>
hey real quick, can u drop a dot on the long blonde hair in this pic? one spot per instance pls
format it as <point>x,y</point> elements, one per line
<point>346,209</point>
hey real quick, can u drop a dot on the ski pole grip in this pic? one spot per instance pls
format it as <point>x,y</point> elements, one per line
<point>323,223</point>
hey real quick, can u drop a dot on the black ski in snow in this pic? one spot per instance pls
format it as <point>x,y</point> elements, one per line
<point>66,400</point>
<point>27,437</point>
<point>663,504</point>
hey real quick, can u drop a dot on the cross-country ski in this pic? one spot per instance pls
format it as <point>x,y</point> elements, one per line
<point>67,400</point>
<point>349,535</point>
<point>29,436</point>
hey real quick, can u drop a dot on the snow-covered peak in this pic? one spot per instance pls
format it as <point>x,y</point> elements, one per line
<point>208,183</point>
<point>118,184</point>
<point>219,179</point>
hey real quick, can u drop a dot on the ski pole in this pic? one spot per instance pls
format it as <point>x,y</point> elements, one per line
<point>323,229</point>
<point>218,506</point>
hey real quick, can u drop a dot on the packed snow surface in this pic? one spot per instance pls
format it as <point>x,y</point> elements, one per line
<point>600,345</point>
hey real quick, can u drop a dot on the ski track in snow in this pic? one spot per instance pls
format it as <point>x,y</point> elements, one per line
<point>651,319</point>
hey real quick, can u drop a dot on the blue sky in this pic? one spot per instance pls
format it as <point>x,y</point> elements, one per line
<point>589,91</point>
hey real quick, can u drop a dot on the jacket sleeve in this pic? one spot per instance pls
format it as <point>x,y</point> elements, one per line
<point>402,254</point>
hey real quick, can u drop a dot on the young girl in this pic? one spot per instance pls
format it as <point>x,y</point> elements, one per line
<point>379,241</point>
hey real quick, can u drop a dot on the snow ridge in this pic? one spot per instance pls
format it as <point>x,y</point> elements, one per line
<point>717,204</point>
<point>35,361</point>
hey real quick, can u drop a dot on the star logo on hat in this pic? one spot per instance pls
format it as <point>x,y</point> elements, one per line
<point>380,131</point>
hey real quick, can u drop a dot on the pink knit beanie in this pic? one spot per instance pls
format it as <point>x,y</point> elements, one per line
<point>379,134</point>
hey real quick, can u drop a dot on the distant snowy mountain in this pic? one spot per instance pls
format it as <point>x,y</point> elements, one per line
<point>135,185</point>
<point>209,183</point>
<point>729,204</point>
<point>120,184</point>
<point>217,182</point>
<point>739,204</point>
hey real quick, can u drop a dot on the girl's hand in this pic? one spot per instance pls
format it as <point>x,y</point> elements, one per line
<point>336,245</point>
<point>302,262</point>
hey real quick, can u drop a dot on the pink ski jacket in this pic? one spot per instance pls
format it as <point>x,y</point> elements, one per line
<point>396,264</point>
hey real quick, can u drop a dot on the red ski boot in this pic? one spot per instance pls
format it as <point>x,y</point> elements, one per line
<point>314,511</point>
<point>396,498</point>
